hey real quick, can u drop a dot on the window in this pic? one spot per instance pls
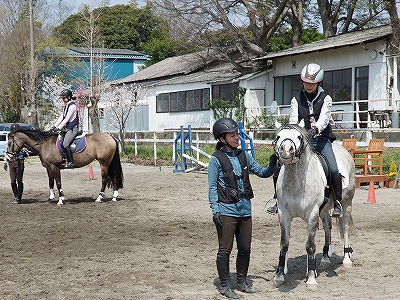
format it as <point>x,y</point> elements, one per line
<point>205,99</point>
<point>227,92</point>
<point>177,101</point>
<point>162,103</point>
<point>336,83</point>
<point>287,87</point>
<point>191,100</point>
<point>361,92</point>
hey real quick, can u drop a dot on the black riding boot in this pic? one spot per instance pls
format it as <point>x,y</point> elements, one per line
<point>337,190</point>
<point>224,277</point>
<point>70,163</point>
<point>242,265</point>
<point>14,188</point>
<point>20,191</point>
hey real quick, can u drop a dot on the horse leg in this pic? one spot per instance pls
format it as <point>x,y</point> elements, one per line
<point>51,185</point>
<point>57,177</point>
<point>310,248</point>
<point>346,222</point>
<point>281,270</point>
<point>327,251</point>
<point>104,182</point>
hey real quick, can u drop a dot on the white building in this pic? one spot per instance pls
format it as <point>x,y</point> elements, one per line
<point>359,75</point>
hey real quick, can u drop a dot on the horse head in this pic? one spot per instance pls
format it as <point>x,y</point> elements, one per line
<point>28,138</point>
<point>290,143</point>
<point>14,145</point>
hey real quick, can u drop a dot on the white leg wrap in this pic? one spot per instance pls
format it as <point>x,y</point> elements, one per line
<point>51,197</point>
<point>115,196</point>
<point>100,197</point>
<point>61,200</point>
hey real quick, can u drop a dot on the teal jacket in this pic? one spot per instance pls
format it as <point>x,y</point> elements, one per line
<point>242,208</point>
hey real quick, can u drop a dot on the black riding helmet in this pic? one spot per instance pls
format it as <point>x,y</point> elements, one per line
<point>66,94</point>
<point>14,127</point>
<point>223,126</point>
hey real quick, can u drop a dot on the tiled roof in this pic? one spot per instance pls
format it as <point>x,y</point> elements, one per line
<point>343,40</point>
<point>77,51</point>
<point>172,67</point>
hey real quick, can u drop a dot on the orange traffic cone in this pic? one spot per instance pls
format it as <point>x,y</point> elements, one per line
<point>91,175</point>
<point>371,193</point>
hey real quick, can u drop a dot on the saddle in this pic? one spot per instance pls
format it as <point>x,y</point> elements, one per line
<point>78,145</point>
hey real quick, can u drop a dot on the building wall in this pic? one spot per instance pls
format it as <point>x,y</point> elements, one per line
<point>340,58</point>
<point>334,59</point>
<point>161,121</point>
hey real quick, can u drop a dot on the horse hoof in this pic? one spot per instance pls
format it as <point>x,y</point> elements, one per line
<point>325,262</point>
<point>98,200</point>
<point>312,285</point>
<point>114,199</point>
<point>312,274</point>
<point>279,280</point>
<point>347,263</point>
<point>60,203</point>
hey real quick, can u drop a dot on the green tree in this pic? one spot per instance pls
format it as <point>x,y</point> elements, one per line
<point>224,108</point>
<point>121,27</point>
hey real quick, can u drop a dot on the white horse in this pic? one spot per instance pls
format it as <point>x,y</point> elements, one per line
<point>301,189</point>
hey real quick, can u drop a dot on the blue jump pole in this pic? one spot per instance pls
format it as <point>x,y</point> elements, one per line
<point>243,137</point>
<point>183,145</point>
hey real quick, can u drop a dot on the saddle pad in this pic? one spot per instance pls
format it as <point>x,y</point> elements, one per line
<point>78,145</point>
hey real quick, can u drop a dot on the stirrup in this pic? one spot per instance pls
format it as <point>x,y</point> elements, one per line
<point>273,210</point>
<point>69,165</point>
<point>337,209</point>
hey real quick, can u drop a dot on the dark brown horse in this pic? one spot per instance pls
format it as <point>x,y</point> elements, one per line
<point>100,146</point>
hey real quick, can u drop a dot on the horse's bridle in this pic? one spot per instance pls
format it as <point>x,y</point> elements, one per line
<point>14,142</point>
<point>298,151</point>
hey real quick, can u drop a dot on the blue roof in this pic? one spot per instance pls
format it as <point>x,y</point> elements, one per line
<point>108,53</point>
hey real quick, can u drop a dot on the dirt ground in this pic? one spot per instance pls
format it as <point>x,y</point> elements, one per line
<point>158,242</point>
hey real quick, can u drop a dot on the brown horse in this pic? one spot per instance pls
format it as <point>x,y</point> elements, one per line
<point>100,146</point>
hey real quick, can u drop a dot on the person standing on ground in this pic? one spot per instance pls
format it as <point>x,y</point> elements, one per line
<point>230,195</point>
<point>16,168</point>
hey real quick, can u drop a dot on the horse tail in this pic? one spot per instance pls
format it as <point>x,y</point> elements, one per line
<point>115,173</point>
<point>352,227</point>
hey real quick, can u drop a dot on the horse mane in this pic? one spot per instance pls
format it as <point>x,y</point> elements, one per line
<point>293,126</point>
<point>37,135</point>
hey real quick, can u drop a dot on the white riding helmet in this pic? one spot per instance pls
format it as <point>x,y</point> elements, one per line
<point>312,73</point>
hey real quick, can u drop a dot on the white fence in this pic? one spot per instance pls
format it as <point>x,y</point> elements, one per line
<point>197,141</point>
<point>359,114</point>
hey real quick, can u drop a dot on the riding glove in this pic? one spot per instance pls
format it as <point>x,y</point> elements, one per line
<point>217,219</point>
<point>312,132</point>
<point>273,159</point>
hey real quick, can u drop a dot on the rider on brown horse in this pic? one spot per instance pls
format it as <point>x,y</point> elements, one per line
<point>68,122</point>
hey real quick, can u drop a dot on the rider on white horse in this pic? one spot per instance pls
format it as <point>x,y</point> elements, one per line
<point>314,107</point>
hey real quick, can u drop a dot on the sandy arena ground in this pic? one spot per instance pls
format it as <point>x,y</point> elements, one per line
<point>158,242</point>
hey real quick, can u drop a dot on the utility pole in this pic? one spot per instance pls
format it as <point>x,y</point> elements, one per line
<point>32,114</point>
